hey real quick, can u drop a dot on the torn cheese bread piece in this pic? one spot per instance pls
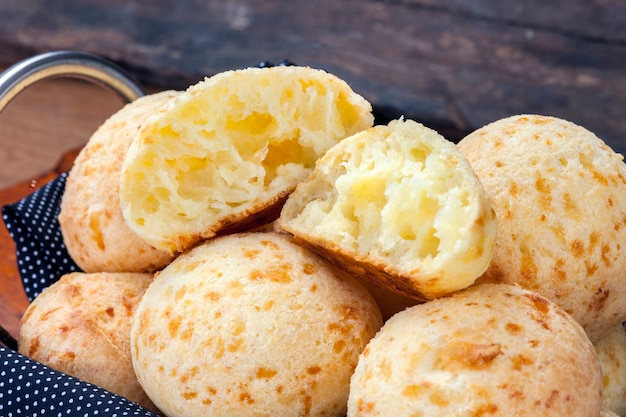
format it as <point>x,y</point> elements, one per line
<point>230,149</point>
<point>399,206</point>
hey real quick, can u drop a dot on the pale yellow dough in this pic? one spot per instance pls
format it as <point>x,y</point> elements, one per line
<point>398,206</point>
<point>227,152</point>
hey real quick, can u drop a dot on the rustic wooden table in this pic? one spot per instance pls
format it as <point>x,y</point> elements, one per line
<point>452,65</point>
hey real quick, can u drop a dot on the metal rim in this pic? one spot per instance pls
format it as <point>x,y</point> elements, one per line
<point>67,64</point>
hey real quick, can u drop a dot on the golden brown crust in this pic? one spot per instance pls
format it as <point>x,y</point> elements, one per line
<point>492,349</point>
<point>251,324</point>
<point>560,198</point>
<point>80,325</point>
<point>374,273</point>
<point>94,231</point>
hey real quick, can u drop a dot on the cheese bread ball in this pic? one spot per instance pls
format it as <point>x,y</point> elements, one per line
<point>94,231</point>
<point>251,324</point>
<point>80,325</point>
<point>227,152</point>
<point>399,206</point>
<point>560,198</point>
<point>490,350</point>
<point>611,348</point>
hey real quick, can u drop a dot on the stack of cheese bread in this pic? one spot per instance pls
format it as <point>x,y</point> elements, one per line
<point>267,250</point>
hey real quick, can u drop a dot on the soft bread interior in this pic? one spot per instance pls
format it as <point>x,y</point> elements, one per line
<point>233,145</point>
<point>400,197</point>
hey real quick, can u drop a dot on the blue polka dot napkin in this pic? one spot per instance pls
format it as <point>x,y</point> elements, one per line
<point>32,223</point>
<point>28,388</point>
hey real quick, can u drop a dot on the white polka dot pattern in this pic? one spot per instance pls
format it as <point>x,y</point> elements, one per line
<point>32,222</point>
<point>28,388</point>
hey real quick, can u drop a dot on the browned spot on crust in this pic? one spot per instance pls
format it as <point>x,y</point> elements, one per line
<point>34,347</point>
<point>412,391</point>
<point>250,253</point>
<point>68,356</point>
<point>245,397</point>
<point>520,361</point>
<point>578,248</point>
<point>605,255</point>
<point>270,244</point>
<point>546,192</point>
<point>265,373</point>
<point>554,397</point>
<point>274,273</point>
<point>594,238</point>
<point>559,270</point>
<point>110,311</point>
<point>462,354</point>
<point>173,326</point>
<point>513,328</point>
<point>313,370</point>
<point>540,304</point>
<point>514,190</point>
<point>213,296</point>
<point>528,268</point>
<point>591,267</point>
<point>484,410</point>
<point>308,268</point>
<point>48,313</point>
<point>600,299</point>
<point>439,397</point>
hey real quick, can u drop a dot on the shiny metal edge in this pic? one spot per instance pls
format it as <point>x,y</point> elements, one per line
<point>67,64</point>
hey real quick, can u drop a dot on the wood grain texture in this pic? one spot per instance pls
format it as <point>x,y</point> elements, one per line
<point>453,65</point>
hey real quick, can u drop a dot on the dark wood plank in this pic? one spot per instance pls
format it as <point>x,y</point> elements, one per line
<point>452,65</point>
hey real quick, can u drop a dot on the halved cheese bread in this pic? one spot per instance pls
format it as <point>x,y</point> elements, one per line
<point>230,149</point>
<point>399,206</point>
